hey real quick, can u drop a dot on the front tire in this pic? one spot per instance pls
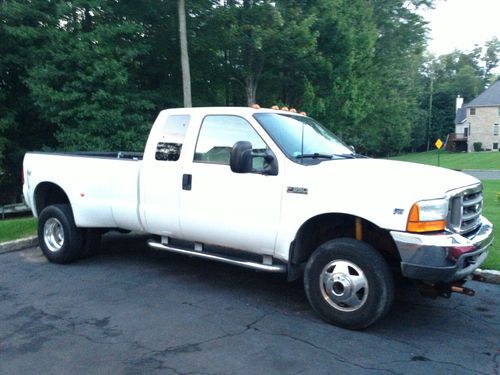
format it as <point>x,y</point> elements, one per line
<point>348,283</point>
<point>59,238</point>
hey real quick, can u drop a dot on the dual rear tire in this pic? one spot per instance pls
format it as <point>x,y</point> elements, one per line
<point>61,240</point>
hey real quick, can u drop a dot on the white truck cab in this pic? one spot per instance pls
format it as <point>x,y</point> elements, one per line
<point>272,191</point>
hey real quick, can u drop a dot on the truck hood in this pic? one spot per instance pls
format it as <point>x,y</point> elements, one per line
<point>375,188</point>
<point>395,177</point>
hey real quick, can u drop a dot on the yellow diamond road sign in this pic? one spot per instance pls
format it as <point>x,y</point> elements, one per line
<point>438,144</point>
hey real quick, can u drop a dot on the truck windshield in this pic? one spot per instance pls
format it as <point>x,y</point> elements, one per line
<point>302,139</point>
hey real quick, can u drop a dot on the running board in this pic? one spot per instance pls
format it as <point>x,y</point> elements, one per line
<point>219,258</point>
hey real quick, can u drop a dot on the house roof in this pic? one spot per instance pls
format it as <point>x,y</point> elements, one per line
<point>489,97</point>
<point>461,115</point>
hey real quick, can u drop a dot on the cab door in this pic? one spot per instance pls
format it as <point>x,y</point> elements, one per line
<point>220,207</point>
<point>161,176</point>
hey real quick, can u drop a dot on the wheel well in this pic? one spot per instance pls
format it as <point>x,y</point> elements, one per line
<point>325,227</point>
<point>47,194</point>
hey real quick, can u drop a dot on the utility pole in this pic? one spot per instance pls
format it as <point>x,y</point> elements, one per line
<point>429,122</point>
<point>186,75</point>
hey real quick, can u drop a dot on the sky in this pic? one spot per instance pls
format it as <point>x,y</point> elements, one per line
<point>459,24</point>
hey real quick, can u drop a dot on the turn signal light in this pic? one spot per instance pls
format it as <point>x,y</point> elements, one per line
<point>415,225</point>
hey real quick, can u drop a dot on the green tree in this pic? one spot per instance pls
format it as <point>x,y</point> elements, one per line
<point>86,84</point>
<point>259,43</point>
<point>25,27</point>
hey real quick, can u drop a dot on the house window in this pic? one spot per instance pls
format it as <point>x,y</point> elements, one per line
<point>472,111</point>
<point>495,128</point>
<point>466,132</point>
<point>495,146</point>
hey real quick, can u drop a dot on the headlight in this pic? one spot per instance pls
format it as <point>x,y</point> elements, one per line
<point>428,216</point>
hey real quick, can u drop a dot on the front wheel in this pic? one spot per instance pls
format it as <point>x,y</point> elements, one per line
<point>59,238</point>
<point>348,283</point>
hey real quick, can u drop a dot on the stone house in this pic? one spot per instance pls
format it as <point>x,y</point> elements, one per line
<point>477,122</point>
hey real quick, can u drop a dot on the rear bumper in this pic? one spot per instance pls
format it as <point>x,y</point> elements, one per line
<point>444,257</point>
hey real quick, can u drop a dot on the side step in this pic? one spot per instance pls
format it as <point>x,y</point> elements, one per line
<point>219,258</point>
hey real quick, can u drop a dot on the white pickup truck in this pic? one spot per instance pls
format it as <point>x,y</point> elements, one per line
<point>272,191</point>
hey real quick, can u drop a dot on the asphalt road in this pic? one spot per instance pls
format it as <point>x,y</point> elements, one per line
<point>483,174</point>
<point>132,310</point>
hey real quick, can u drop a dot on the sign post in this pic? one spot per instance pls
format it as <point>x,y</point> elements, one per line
<point>438,144</point>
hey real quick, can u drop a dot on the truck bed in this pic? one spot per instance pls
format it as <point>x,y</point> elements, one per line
<point>102,187</point>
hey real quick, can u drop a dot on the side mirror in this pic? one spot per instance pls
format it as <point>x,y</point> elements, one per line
<point>244,159</point>
<point>241,159</point>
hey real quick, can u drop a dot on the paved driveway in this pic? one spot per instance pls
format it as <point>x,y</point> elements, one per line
<point>133,310</point>
<point>483,174</point>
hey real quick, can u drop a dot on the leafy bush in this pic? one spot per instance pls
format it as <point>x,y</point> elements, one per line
<point>478,146</point>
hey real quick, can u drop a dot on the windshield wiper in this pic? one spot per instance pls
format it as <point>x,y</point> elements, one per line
<point>346,156</point>
<point>316,155</point>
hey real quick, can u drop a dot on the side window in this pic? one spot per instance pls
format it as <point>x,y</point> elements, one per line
<point>172,138</point>
<point>219,133</point>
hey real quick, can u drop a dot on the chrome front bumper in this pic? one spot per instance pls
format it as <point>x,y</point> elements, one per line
<point>443,257</point>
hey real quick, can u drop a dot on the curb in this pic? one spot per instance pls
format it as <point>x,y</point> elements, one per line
<point>490,276</point>
<point>16,245</point>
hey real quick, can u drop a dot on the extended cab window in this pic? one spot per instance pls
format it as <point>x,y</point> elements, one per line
<point>219,133</point>
<point>172,138</point>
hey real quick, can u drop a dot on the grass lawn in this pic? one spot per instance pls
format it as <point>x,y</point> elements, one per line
<point>455,160</point>
<point>17,228</point>
<point>492,212</point>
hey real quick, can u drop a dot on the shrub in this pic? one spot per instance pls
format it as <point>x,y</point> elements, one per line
<point>478,146</point>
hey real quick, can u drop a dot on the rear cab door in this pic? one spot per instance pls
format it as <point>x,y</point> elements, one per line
<point>161,174</point>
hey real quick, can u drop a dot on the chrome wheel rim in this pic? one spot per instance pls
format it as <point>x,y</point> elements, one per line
<point>53,234</point>
<point>344,285</point>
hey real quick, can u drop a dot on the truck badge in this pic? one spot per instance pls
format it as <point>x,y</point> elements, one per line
<point>296,190</point>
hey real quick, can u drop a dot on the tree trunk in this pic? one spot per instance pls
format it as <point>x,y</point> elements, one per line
<point>251,89</point>
<point>186,75</point>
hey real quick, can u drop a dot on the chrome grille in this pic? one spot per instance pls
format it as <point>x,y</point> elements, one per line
<point>465,210</point>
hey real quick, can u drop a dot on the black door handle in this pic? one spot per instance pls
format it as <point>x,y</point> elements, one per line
<point>186,181</point>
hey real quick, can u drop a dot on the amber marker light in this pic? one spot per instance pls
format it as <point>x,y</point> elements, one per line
<point>427,216</point>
